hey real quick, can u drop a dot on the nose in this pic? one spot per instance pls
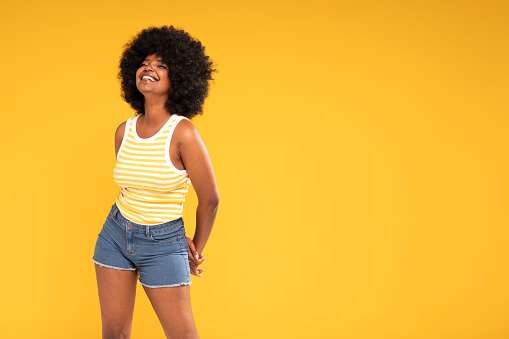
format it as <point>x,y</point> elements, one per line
<point>148,67</point>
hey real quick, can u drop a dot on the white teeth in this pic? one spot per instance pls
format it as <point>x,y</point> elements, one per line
<point>148,78</point>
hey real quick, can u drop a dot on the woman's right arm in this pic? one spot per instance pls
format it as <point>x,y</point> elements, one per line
<point>119,135</point>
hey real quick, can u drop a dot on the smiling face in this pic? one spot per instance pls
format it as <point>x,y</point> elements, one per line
<point>152,76</point>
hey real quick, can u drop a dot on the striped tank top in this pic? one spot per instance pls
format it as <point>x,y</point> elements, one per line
<point>152,190</point>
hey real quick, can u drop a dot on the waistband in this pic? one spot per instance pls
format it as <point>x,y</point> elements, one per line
<point>134,227</point>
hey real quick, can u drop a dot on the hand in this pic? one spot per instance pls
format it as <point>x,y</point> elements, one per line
<point>195,258</point>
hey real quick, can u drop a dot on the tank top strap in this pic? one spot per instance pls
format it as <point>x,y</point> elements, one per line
<point>129,126</point>
<point>171,129</point>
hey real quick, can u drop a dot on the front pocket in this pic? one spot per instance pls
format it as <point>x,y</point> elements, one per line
<point>166,236</point>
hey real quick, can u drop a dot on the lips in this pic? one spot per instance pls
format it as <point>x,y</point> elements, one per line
<point>148,78</point>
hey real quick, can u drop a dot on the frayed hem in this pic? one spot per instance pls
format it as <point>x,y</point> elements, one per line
<point>116,268</point>
<point>159,286</point>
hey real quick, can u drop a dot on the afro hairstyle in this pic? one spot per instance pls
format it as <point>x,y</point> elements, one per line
<point>189,69</point>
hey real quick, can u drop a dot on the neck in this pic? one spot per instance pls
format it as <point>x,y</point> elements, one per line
<point>155,111</point>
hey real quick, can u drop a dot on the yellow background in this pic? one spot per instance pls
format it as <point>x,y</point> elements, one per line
<point>360,150</point>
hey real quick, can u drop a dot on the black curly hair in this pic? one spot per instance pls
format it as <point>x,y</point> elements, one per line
<point>189,69</point>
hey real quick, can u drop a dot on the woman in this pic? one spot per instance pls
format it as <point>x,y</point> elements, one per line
<point>165,77</point>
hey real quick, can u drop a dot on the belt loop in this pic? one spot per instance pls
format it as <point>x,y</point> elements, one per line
<point>115,213</point>
<point>147,231</point>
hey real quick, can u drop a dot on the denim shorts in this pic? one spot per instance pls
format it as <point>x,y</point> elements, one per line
<point>158,252</point>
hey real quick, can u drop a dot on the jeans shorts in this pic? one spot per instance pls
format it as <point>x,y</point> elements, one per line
<point>159,252</point>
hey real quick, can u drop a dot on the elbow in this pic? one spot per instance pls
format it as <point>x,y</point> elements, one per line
<point>211,202</point>
<point>214,201</point>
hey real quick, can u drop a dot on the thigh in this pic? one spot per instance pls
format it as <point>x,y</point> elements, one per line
<point>117,291</point>
<point>173,308</point>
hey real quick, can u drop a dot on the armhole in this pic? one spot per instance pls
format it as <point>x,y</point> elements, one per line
<point>167,148</point>
<point>127,125</point>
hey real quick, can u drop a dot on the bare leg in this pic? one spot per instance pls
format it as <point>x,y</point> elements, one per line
<point>173,308</point>
<point>117,291</point>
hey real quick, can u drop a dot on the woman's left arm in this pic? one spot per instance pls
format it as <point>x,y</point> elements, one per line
<point>196,160</point>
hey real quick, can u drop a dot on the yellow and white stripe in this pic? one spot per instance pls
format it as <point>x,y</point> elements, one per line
<point>152,190</point>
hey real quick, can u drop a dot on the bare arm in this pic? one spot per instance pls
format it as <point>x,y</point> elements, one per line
<point>196,160</point>
<point>119,135</point>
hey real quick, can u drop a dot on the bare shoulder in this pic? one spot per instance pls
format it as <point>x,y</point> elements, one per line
<point>185,132</point>
<point>119,135</point>
<point>120,130</point>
